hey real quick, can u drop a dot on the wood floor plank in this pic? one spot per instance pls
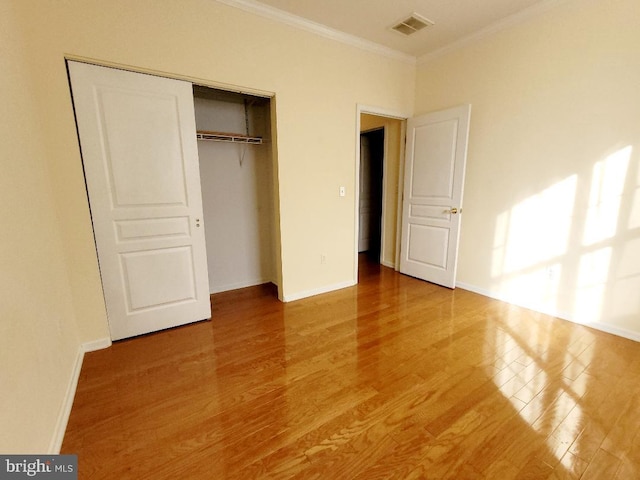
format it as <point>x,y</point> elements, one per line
<point>604,465</point>
<point>392,378</point>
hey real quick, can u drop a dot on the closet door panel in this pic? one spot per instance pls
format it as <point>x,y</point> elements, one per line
<point>138,142</point>
<point>142,141</point>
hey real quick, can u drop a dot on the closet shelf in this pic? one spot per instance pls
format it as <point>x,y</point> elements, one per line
<point>227,137</point>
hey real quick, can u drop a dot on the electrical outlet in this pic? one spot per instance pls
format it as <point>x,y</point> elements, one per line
<point>323,259</point>
<point>552,272</point>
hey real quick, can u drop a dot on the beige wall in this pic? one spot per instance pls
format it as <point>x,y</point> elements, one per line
<point>51,293</point>
<point>552,195</point>
<point>393,143</point>
<point>317,83</point>
<point>38,333</point>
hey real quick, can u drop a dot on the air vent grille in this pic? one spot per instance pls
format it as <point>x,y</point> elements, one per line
<point>412,24</point>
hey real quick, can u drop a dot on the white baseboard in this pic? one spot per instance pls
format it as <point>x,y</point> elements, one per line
<point>234,286</point>
<point>318,291</point>
<point>603,327</point>
<point>65,410</point>
<point>96,344</point>
<point>474,289</point>
<point>70,393</point>
<point>388,264</point>
<point>613,330</point>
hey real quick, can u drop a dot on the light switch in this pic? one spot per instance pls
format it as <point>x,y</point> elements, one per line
<point>343,191</point>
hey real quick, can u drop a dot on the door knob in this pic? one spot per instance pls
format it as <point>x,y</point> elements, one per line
<point>453,211</point>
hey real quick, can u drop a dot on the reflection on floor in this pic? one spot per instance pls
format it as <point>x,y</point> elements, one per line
<point>393,378</point>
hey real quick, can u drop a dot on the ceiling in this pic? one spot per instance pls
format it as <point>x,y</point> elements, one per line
<point>371,20</point>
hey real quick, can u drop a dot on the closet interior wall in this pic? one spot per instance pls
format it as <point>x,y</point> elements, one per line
<point>237,189</point>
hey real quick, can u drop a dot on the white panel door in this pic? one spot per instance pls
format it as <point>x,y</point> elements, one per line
<point>138,141</point>
<point>434,177</point>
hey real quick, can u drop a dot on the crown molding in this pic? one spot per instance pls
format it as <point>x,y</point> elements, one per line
<point>503,24</point>
<point>281,16</point>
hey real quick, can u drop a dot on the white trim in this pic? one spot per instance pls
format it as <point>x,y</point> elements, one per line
<point>65,410</point>
<point>613,330</point>
<point>603,327</point>
<point>381,112</point>
<point>318,291</point>
<point>318,29</point>
<point>388,264</point>
<point>502,24</point>
<point>529,306</point>
<point>99,344</point>
<point>234,286</point>
<point>356,197</point>
<point>503,298</point>
<point>383,200</point>
<point>400,200</point>
<point>478,290</point>
<point>202,82</point>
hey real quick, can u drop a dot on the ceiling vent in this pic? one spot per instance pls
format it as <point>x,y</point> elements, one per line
<point>412,24</point>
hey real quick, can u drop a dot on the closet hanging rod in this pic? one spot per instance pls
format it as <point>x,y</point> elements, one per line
<point>227,137</point>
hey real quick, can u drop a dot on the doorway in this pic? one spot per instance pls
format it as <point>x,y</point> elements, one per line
<point>371,183</point>
<point>383,133</point>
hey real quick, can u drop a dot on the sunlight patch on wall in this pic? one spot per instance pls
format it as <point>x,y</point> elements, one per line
<point>634,213</point>
<point>607,187</point>
<point>634,216</point>
<point>529,239</point>
<point>605,197</point>
<point>535,265</point>
<point>593,273</point>
<point>625,302</point>
<point>537,287</point>
<point>536,229</point>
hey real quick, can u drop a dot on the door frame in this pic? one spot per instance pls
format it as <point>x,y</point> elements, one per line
<point>380,112</point>
<point>218,86</point>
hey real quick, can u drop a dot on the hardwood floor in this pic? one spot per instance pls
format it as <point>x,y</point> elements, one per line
<point>394,378</point>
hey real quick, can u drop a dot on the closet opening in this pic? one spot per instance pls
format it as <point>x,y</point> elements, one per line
<point>238,187</point>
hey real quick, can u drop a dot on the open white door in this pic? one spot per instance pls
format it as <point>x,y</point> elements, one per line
<point>433,181</point>
<point>138,141</point>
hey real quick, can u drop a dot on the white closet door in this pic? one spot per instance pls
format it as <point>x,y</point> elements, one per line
<point>138,142</point>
